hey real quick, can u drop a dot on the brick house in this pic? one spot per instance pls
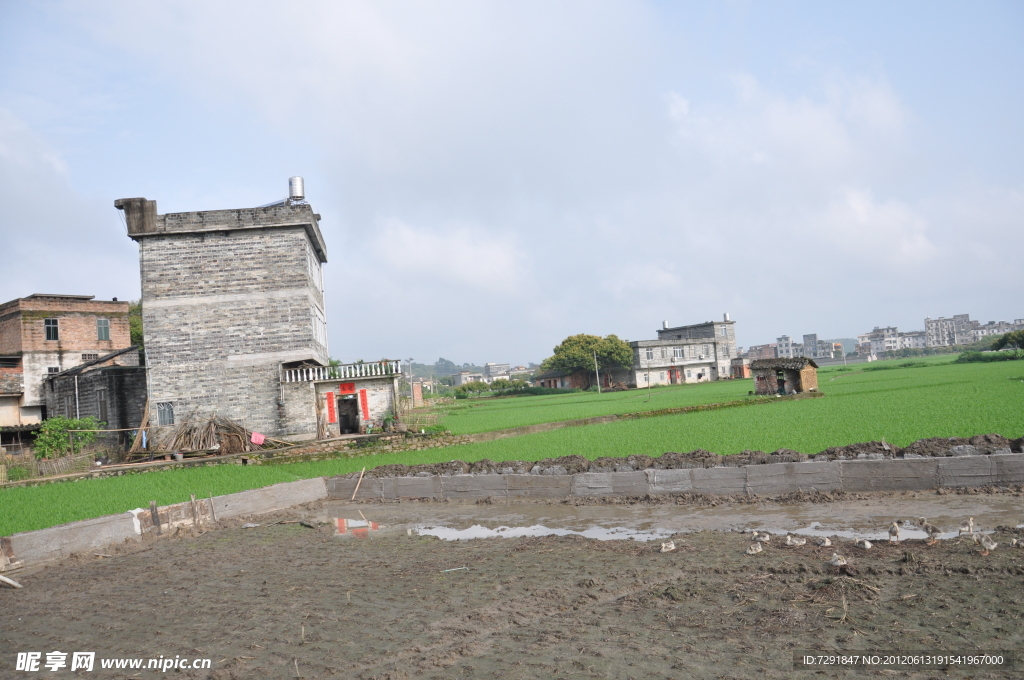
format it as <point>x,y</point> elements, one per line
<point>42,335</point>
<point>784,376</point>
<point>234,320</point>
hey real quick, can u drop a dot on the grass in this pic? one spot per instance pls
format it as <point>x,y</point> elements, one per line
<point>902,404</point>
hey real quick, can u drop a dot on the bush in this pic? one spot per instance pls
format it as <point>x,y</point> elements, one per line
<point>54,441</point>
<point>980,357</point>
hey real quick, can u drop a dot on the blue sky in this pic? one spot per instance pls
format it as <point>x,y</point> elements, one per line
<point>496,176</point>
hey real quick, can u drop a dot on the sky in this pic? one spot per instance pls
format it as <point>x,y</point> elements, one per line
<point>495,176</point>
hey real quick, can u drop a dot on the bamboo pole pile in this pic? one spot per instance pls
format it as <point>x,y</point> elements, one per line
<point>202,436</point>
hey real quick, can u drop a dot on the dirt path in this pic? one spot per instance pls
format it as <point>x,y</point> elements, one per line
<point>259,601</point>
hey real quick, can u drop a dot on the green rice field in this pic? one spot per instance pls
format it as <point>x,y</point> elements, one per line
<point>930,399</point>
<point>484,415</point>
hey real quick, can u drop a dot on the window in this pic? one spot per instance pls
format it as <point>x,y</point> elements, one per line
<point>677,352</point>
<point>51,329</point>
<point>103,329</point>
<point>165,413</point>
<point>689,374</point>
<point>661,376</point>
<point>650,353</point>
<point>101,403</point>
<point>90,357</point>
<point>53,369</point>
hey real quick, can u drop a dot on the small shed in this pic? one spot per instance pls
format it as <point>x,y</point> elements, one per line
<point>784,376</point>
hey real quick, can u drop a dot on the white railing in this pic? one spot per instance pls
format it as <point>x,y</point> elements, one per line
<point>342,372</point>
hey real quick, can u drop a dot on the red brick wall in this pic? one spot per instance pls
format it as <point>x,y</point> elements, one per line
<point>76,324</point>
<point>10,330</point>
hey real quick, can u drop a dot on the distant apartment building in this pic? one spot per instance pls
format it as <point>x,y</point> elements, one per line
<point>463,377</point>
<point>817,349</point>
<point>997,328</point>
<point>684,354</point>
<point>913,340</point>
<point>880,339</point>
<point>769,351</point>
<point>42,335</point>
<point>943,332</point>
<point>784,346</point>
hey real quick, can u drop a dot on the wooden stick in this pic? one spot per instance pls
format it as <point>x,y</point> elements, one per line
<point>213,510</point>
<point>195,511</point>
<point>358,483</point>
<point>155,514</point>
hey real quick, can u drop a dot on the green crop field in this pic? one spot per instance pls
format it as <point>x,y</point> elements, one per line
<point>901,405</point>
<point>936,398</point>
<point>483,415</point>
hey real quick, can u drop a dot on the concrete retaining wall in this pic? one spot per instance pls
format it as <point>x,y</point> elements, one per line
<point>916,474</point>
<point>92,535</point>
<point>37,547</point>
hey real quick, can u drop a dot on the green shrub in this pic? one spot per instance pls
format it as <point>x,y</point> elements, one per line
<point>981,357</point>
<point>54,440</point>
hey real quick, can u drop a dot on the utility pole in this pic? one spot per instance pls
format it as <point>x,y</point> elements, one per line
<point>596,373</point>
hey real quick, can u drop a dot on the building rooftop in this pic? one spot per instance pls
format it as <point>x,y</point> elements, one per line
<point>142,220</point>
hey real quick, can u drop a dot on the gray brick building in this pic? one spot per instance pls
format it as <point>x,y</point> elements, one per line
<point>229,298</point>
<point>684,354</point>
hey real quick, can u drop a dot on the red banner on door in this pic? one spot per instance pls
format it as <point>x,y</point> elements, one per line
<point>365,403</point>
<point>347,388</point>
<point>332,416</point>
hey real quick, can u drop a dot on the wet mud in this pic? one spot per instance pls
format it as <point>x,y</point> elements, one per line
<point>980,445</point>
<point>370,598</point>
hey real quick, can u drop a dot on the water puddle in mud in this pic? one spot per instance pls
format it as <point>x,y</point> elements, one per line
<point>848,520</point>
<point>595,532</point>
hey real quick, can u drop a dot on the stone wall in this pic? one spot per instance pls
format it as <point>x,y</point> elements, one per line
<point>125,388</point>
<point>222,310</point>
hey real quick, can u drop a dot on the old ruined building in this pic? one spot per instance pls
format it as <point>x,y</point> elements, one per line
<point>46,335</point>
<point>784,376</point>
<point>685,354</point>
<point>110,388</point>
<point>235,324</point>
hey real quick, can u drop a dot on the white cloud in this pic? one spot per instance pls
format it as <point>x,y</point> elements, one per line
<point>462,256</point>
<point>550,168</point>
<point>882,233</point>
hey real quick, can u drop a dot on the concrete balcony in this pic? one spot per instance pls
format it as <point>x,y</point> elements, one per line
<point>373,369</point>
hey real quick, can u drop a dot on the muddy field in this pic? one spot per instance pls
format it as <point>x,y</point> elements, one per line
<point>284,600</point>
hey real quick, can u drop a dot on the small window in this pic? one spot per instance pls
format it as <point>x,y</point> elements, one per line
<point>103,329</point>
<point>52,332</point>
<point>677,352</point>
<point>689,374</point>
<point>101,402</point>
<point>165,413</point>
<point>53,369</point>
<point>661,376</point>
<point>650,353</point>
<point>90,357</point>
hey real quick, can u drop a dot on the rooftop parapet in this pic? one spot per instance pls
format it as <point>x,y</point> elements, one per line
<point>143,220</point>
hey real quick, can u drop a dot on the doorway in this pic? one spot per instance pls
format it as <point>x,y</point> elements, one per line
<point>348,414</point>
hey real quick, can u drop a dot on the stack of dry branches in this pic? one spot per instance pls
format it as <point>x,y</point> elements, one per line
<point>200,436</point>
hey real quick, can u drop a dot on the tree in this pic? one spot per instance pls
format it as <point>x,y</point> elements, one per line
<point>1013,339</point>
<point>445,367</point>
<point>135,327</point>
<point>576,353</point>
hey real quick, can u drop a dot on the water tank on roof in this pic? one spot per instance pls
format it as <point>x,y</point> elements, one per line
<point>296,190</point>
